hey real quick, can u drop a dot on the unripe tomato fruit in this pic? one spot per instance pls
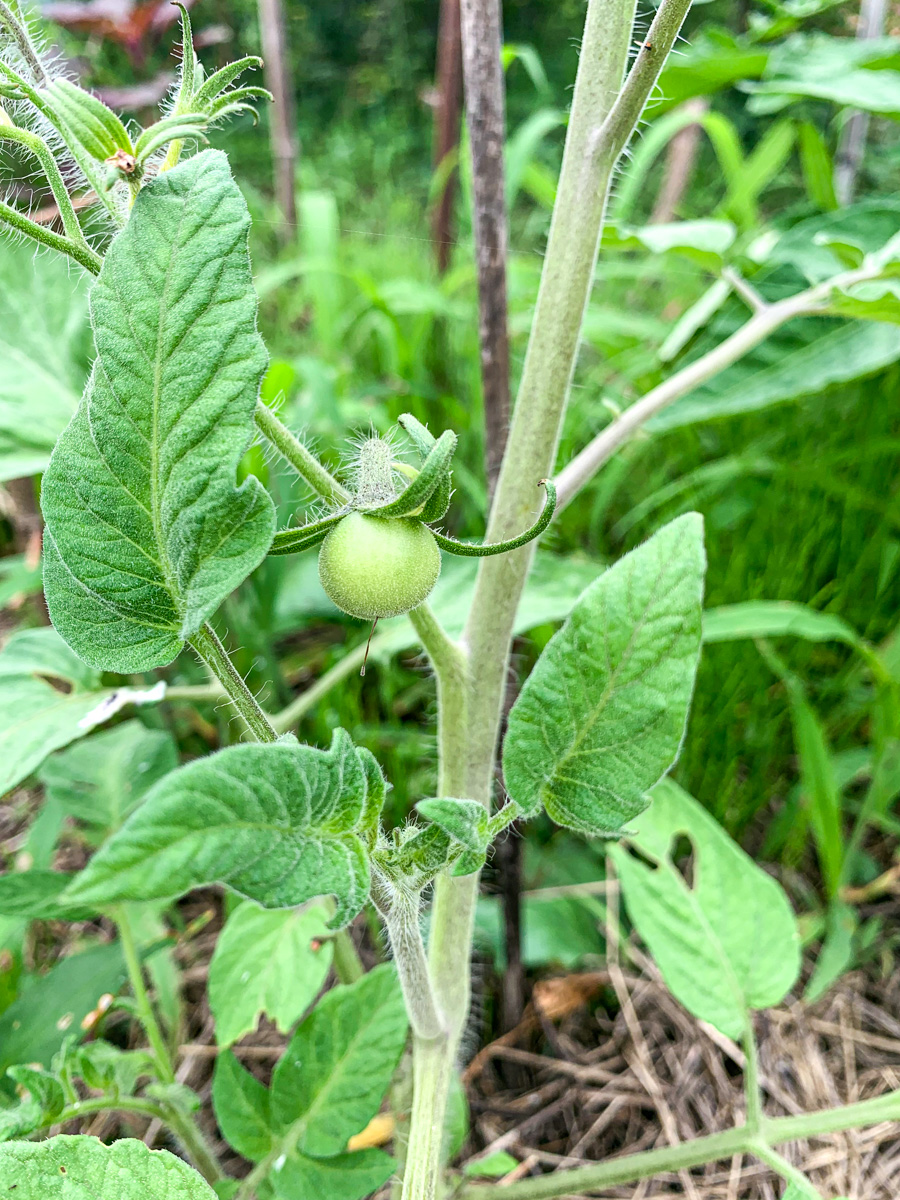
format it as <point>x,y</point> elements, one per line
<point>373,567</point>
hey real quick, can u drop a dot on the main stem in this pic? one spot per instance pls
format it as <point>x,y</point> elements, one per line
<point>471,681</point>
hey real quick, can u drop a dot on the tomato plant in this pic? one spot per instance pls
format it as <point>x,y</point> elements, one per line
<point>148,533</point>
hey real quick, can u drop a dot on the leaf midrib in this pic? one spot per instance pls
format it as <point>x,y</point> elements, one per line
<point>165,564</point>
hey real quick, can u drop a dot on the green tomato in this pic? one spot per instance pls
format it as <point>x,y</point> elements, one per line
<point>375,567</point>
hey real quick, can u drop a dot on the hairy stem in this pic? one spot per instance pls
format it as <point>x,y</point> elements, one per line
<point>39,148</point>
<point>83,255</point>
<point>14,24</point>
<point>145,1012</point>
<point>213,653</point>
<point>684,1155</point>
<point>565,285</point>
<point>450,942</point>
<point>400,912</point>
<point>765,321</point>
<point>432,1072</point>
<point>194,1143</point>
<point>101,1104</point>
<point>302,460</point>
<point>470,699</point>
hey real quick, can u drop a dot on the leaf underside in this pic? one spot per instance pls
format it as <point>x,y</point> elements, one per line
<point>602,715</point>
<point>277,823</point>
<point>726,944</point>
<point>146,531</point>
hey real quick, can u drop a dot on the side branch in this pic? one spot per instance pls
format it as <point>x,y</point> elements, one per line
<point>631,101</point>
<point>684,1155</point>
<point>83,255</point>
<point>765,321</point>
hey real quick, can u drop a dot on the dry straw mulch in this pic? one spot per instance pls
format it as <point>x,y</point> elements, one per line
<point>588,1085</point>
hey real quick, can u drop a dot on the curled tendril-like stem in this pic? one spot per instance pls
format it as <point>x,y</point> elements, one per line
<point>468,550</point>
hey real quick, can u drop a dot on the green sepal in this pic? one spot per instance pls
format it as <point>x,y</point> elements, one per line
<point>96,127</point>
<point>467,550</point>
<point>439,501</point>
<point>434,474</point>
<point>219,80</point>
<point>304,537</point>
<point>170,129</point>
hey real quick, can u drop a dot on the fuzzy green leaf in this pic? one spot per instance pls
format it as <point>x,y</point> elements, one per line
<point>267,961</point>
<point>465,821</point>
<point>728,943</point>
<point>146,531</point>
<point>78,1168</point>
<point>101,780</point>
<point>44,348</point>
<point>278,823</point>
<point>601,717</point>
<point>241,1104</point>
<point>41,1100</point>
<point>35,895</point>
<point>339,1064</point>
<point>340,1177</point>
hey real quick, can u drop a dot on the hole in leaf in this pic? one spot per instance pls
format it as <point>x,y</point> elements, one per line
<point>683,855</point>
<point>63,686</point>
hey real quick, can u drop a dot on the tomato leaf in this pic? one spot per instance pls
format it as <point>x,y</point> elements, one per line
<point>339,1064</point>
<point>68,1168</point>
<point>341,1177</point>
<point>101,780</point>
<point>241,1104</point>
<point>49,698</point>
<point>725,945</point>
<point>601,717</point>
<point>265,961</point>
<point>146,531</point>
<point>278,823</point>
